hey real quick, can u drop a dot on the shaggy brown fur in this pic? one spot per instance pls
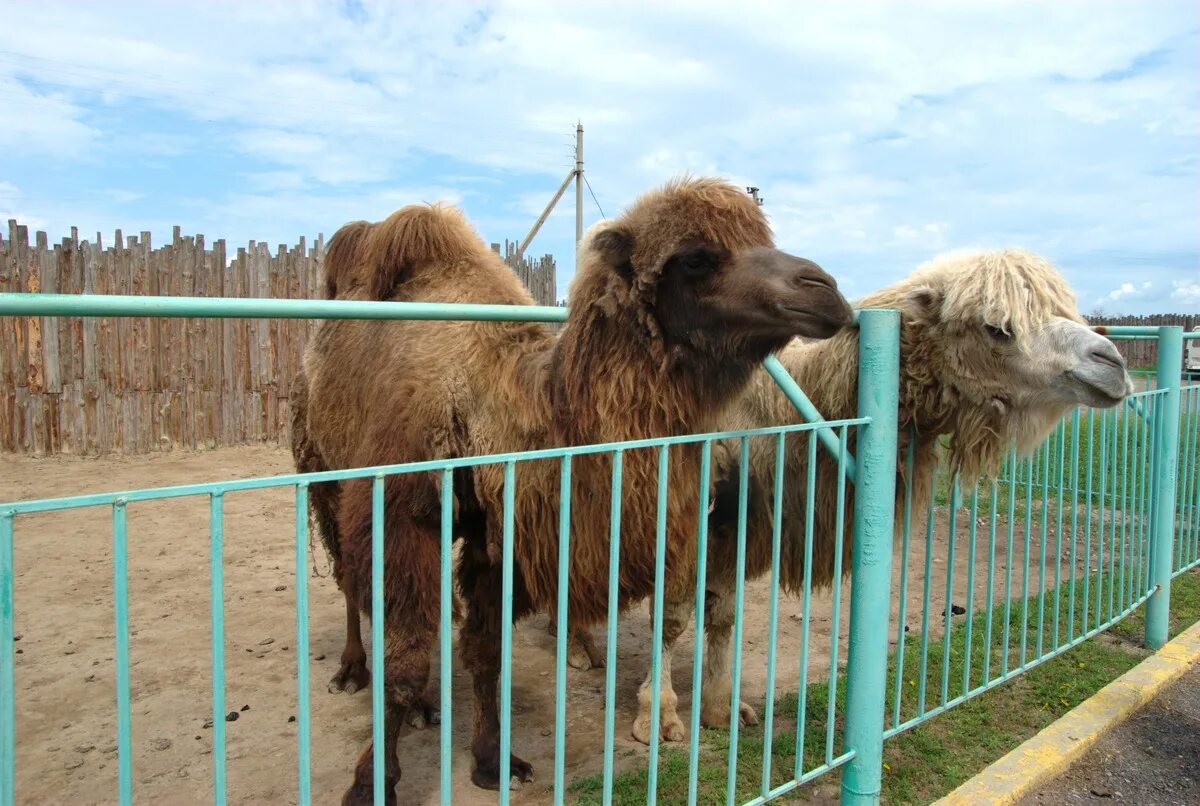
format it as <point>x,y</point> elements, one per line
<point>674,305</point>
<point>967,328</point>
<point>342,257</point>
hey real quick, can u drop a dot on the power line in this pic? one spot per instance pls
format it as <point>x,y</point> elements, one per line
<point>589,187</point>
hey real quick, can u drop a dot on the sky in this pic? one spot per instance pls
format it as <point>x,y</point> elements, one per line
<point>880,134</point>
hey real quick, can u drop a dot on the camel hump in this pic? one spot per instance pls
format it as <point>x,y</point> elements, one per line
<point>343,255</point>
<point>414,238</point>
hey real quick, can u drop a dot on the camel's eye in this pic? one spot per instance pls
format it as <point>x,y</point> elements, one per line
<point>998,334</point>
<point>696,263</point>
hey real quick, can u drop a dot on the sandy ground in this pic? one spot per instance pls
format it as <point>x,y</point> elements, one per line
<point>66,735</point>
<point>1153,757</point>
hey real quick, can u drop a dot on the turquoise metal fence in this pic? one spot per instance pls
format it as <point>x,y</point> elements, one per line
<point>1092,512</point>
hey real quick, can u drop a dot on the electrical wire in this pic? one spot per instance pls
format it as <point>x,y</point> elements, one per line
<point>594,199</point>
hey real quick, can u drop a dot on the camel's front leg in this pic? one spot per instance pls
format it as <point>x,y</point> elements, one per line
<point>717,696</point>
<point>670,728</point>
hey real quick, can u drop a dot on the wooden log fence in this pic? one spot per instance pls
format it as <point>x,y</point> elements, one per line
<point>105,385</point>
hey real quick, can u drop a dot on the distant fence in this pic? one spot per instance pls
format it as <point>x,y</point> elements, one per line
<point>1144,352</point>
<point>98,386</point>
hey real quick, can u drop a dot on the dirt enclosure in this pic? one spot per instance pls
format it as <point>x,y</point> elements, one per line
<point>66,725</point>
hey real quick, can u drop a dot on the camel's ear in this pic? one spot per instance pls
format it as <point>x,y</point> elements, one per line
<point>922,304</point>
<point>614,244</point>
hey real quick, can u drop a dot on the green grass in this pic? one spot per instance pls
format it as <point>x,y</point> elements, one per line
<point>929,760</point>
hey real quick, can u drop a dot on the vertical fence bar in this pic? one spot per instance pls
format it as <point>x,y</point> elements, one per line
<point>1183,536</point>
<point>303,741</point>
<point>1014,469</point>
<point>1170,360</point>
<point>1075,437</point>
<point>8,658</point>
<point>1100,530</point>
<point>991,585</point>
<point>1113,516</point>
<point>121,617</point>
<point>1188,479</point>
<point>835,618</point>
<point>660,552</point>
<point>1126,416</point>
<point>610,669</point>
<point>445,634</point>
<point>1191,505</point>
<point>377,710</point>
<point>773,631</point>
<point>506,628</point>
<point>874,509</point>
<point>930,525</point>
<point>1025,559</point>
<point>560,653</point>
<point>735,693</point>
<point>698,648</point>
<point>1058,529</point>
<point>1087,545</point>
<point>809,510</point>
<point>972,533</point>
<point>948,613</point>
<point>902,614</point>
<point>1044,539</point>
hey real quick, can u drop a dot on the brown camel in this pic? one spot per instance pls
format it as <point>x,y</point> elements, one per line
<point>341,273</point>
<point>993,354</point>
<point>673,306</point>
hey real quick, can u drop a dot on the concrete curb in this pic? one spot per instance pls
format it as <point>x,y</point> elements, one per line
<point>1057,745</point>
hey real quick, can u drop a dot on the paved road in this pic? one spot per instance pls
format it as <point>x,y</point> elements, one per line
<point>1151,758</point>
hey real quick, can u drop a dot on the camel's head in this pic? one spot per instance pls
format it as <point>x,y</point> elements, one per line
<point>999,332</point>
<point>694,263</point>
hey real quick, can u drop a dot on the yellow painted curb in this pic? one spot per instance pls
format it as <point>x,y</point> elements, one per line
<point>1058,744</point>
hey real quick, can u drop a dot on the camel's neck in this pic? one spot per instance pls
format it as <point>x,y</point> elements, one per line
<point>608,385</point>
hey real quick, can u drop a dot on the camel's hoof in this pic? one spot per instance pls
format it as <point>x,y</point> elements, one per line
<point>364,794</point>
<point>718,716</point>
<point>670,728</point>
<point>424,714</point>
<point>747,716</point>
<point>487,776</point>
<point>582,652</point>
<point>351,677</point>
<point>578,658</point>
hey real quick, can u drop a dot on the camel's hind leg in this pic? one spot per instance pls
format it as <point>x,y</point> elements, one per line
<point>412,603</point>
<point>353,674</point>
<point>582,652</point>
<point>482,585</point>
<point>716,698</point>
<point>670,726</point>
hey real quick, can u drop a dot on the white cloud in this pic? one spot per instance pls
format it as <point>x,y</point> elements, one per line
<point>1127,289</point>
<point>1186,291</point>
<point>879,133</point>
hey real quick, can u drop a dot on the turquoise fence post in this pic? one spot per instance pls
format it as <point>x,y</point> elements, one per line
<point>874,517</point>
<point>1166,458</point>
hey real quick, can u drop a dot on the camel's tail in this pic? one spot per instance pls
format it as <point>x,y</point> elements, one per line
<point>343,255</point>
<point>414,238</point>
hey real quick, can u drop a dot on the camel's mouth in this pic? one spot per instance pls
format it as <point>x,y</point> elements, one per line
<point>814,324</point>
<point>1101,395</point>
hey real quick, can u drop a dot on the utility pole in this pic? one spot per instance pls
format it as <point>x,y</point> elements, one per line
<point>578,183</point>
<point>575,173</point>
<point>754,195</point>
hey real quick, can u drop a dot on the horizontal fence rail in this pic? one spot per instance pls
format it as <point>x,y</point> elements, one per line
<point>135,385</point>
<point>1060,546</point>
